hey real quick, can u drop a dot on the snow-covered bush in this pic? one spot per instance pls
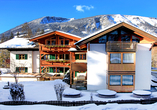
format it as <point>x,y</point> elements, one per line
<point>17,92</point>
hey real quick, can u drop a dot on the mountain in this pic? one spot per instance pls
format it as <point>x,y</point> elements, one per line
<point>85,26</point>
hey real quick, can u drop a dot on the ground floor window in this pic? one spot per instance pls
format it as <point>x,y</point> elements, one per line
<point>127,80</point>
<point>22,69</point>
<point>124,80</point>
<point>115,80</point>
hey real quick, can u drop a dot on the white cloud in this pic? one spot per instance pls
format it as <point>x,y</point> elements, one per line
<point>83,7</point>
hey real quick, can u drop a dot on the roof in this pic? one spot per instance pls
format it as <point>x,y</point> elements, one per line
<point>75,37</point>
<point>17,43</point>
<point>113,27</point>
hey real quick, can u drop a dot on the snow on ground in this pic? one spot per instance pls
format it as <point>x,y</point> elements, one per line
<point>44,91</point>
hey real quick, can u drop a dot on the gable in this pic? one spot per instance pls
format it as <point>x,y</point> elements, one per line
<point>133,30</point>
<point>55,33</point>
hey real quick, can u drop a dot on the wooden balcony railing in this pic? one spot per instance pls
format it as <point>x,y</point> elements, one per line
<point>55,47</point>
<point>121,46</point>
<point>55,62</point>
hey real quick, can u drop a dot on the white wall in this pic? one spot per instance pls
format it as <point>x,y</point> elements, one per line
<point>36,61</point>
<point>143,67</point>
<point>96,67</point>
<point>25,63</point>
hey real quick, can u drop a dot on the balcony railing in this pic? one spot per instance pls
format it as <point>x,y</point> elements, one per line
<point>55,47</point>
<point>121,46</point>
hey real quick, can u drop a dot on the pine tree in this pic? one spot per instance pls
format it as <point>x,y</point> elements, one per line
<point>30,34</point>
<point>18,34</point>
<point>11,35</point>
<point>2,38</point>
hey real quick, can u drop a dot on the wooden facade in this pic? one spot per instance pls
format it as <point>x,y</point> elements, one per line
<point>55,56</point>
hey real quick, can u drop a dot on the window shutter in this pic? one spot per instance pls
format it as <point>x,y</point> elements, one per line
<point>25,56</point>
<point>60,71</point>
<point>51,70</point>
<point>17,56</point>
<point>52,57</point>
<point>76,56</point>
<point>26,69</point>
<point>76,73</point>
<point>17,69</point>
<point>42,70</point>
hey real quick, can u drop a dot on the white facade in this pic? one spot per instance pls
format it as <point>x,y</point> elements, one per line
<point>32,61</point>
<point>96,67</point>
<point>143,67</point>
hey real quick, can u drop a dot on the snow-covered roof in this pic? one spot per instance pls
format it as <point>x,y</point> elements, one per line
<point>57,31</point>
<point>17,43</point>
<point>97,32</point>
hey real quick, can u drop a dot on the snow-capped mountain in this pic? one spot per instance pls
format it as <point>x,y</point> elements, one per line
<point>85,26</point>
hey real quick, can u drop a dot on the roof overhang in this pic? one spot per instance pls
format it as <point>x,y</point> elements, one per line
<point>64,34</point>
<point>136,31</point>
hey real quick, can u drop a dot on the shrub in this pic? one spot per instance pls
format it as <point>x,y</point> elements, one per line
<point>17,92</point>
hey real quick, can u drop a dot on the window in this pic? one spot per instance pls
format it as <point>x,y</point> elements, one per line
<point>48,42</point>
<point>57,69</point>
<point>67,57</point>
<point>115,58</point>
<point>113,36</point>
<point>115,80</point>
<point>61,56</point>
<point>51,41</point>
<point>21,56</point>
<point>128,58</point>
<point>80,56</point>
<point>125,37</point>
<point>103,39</point>
<point>52,56</point>
<point>135,39</point>
<point>127,80</point>
<point>22,69</point>
<point>66,42</point>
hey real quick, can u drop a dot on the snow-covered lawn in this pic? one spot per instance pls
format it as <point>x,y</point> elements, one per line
<point>44,91</point>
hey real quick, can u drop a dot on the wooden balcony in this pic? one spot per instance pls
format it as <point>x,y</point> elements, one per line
<point>121,46</point>
<point>64,63</point>
<point>54,47</point>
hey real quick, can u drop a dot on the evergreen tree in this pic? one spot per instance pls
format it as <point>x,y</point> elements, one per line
<point>30,34</point>
<point>11,35</point>
<point>18,34</point>
<point>2,38</point>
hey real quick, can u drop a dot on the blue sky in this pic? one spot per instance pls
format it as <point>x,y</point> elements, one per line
<point>16,12</point>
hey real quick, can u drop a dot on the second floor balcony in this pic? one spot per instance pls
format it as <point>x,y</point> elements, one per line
<point>54,47</point>
<point>121,46</point>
